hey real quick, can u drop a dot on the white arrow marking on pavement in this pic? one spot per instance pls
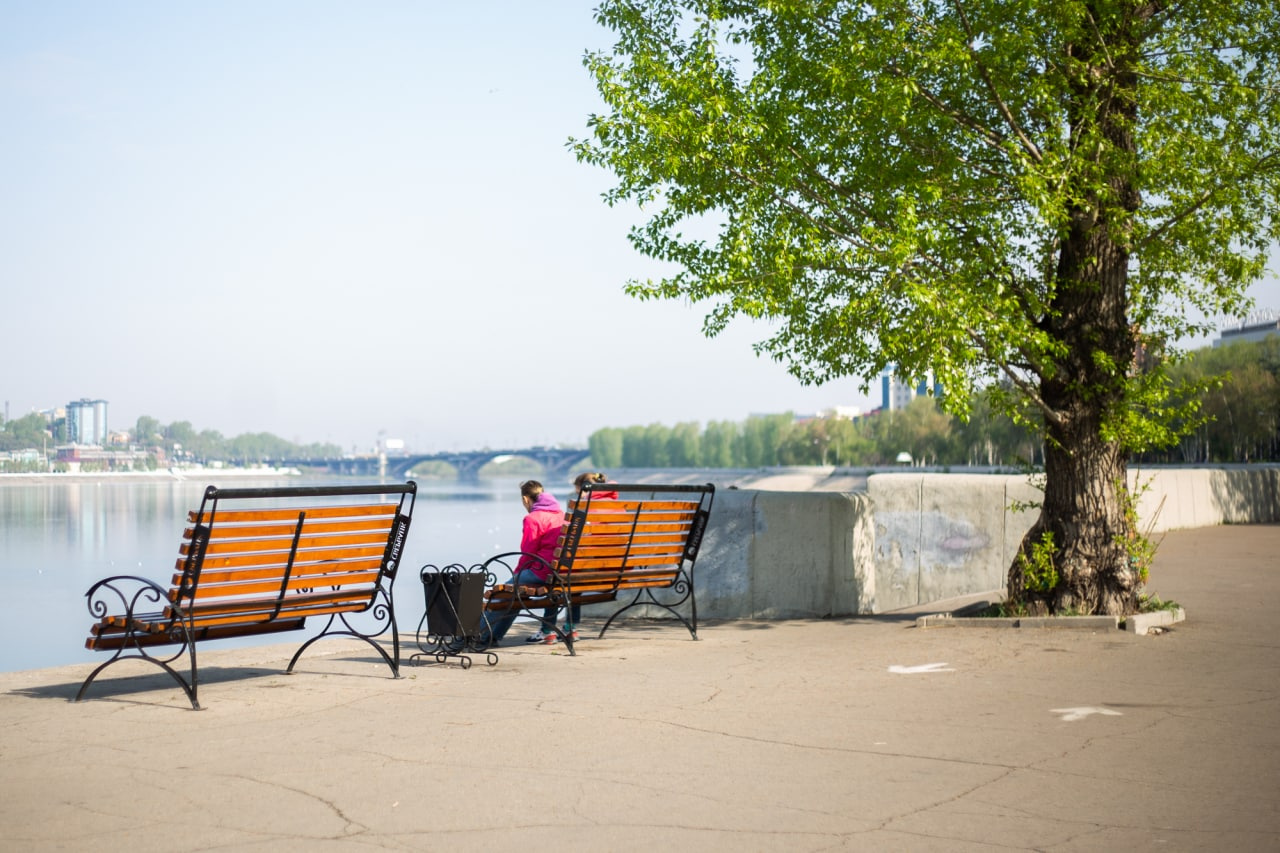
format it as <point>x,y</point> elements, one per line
<point>1070,715</point>
<point>926,667</point>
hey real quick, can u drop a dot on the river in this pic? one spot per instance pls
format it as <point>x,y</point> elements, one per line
<point>58,536</point>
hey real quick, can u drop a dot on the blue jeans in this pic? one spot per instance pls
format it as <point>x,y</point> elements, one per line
<point>574,614</point>
<point>494,629</point>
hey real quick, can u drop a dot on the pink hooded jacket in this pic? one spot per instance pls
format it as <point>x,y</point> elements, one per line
<point>541,532</point>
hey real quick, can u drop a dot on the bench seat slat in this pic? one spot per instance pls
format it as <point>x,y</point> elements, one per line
<point>118,640</point>
<point>267,560</point>
<point>291,605</point>
<point>240,516</point>
<point>224,545</point>
<point>239,611</point>
<point>623,541</point>
<point>588,579</point>
<point>646,528</point>
<point>204,592</point>
<point>319,572</point>
<point>643,518</point>
<point>606,563</point>
<point>287,528</point>
<point>632,506</point>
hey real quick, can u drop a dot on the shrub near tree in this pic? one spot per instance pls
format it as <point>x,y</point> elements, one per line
<point>1031,191</point>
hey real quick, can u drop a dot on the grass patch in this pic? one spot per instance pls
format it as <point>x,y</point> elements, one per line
<point>1154,604</point>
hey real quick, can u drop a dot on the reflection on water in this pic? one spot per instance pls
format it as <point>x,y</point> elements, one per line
<point>58,537</point>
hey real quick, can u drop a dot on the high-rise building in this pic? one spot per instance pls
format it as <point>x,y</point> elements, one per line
<point>896,395</point>
<point>87,421</point>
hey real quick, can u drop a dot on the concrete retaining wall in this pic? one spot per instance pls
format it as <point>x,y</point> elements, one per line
<point>914,538</point>
<point>942,535</point>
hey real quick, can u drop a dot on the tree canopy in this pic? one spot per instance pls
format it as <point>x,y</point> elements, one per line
<point>1032,191</point>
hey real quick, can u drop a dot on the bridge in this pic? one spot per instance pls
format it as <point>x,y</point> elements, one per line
<point>557,462</point>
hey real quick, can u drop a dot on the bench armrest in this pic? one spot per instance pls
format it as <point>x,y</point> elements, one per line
<point>125,595</point>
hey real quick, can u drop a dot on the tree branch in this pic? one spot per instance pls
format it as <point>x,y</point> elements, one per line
<point>1207,196</point>
<point>1027,145</point>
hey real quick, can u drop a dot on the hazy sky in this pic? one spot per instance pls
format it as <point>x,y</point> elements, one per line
<point>331,221</point>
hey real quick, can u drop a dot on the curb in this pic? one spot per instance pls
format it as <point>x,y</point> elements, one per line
<point>1088,623</point>
<point>1141,623</point>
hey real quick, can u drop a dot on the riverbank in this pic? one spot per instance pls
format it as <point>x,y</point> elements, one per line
<point>160,475</point>
<point>802,478</point>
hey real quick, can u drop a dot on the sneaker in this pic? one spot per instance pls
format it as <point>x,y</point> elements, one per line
<point>541,637</point>
<point>551,638</point>
<point>572,632</point>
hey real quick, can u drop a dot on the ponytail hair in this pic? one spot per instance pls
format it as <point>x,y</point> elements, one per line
<point>589,477</point>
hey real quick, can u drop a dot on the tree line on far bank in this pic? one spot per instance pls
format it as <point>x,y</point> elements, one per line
<point>249,447</point>
<point>1239,422</point>
<point>177,440</point>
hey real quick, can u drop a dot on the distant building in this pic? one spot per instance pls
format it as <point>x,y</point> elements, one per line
<point>79,458</point>
<point>896,395</point>
<point>847,413</point>
<point>1255,327</point>
<point>87,422</point>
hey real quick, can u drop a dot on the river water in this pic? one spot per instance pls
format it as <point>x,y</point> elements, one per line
<point>59,536</point>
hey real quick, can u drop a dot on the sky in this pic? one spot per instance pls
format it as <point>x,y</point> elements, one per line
<point>339,222</point>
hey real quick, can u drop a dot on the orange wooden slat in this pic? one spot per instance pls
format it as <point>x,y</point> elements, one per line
<point>610,563</point>
<point>309,539</point>
<point>286,528</point>
<point>279,558</point>
<point>632,506</point>
<point>642,525</point>
<point>594,517</point>
<point>256,609</point>
<point>110,642</point>
<point>269,586</point>
<point>316,571</point>
<point>239,516</point>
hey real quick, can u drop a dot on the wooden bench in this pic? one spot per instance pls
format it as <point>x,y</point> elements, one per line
<point>642,542</point>
<point>260,561</point>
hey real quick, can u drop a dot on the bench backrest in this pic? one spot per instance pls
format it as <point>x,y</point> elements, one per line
<point>308,550</point>
<point>648,536</point>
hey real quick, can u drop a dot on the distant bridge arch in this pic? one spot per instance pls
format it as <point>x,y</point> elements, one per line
<point>557,462</point>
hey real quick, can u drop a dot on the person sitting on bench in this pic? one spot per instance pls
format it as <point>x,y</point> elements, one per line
<point>573,613</point>
<point>541,530</point>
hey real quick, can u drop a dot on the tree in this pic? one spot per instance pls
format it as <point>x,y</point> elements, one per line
<point>718,440</point>
<point>922,429</point>
<point>28,431</point>
<point>606,447</point>
<point>147,431</point>
<point>684,446</point>
<point>1030,191</point>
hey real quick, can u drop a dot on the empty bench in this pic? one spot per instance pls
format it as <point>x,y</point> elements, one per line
<point>638,547</point>
<point>261,561</point>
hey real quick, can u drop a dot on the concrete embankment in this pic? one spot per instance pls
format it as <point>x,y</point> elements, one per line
<point>817,542</point>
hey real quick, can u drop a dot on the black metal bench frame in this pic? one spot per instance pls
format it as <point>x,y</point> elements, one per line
<point>135,599</point>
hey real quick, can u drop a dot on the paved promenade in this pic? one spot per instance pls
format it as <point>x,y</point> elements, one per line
<point>857,734</point>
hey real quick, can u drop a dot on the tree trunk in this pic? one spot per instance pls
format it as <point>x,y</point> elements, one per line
<point>1085,388</point>
<point>1084,510</point>
<point>1086,473</point>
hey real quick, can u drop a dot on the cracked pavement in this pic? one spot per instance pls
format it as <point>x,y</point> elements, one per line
<point>841,734</point>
